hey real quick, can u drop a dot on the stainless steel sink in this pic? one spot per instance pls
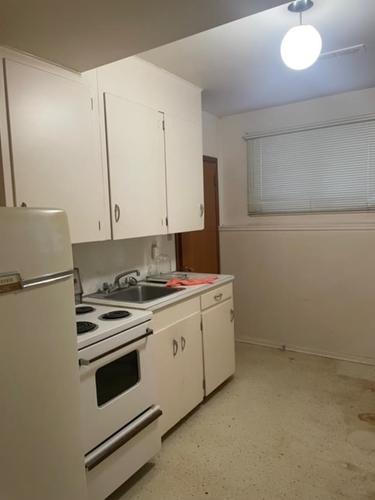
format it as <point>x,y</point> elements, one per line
<point>139,293</point>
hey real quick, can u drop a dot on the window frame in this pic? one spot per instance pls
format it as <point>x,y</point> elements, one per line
<point>332,219</point>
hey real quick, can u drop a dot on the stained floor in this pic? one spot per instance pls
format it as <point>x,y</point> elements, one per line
<point>286,427</point>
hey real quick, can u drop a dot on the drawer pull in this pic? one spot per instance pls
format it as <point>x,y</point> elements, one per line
<point>232,315</point>
<point>218,297</point>
<point>106,449</point>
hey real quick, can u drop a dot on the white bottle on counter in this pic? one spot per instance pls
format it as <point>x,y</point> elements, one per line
<point>160,263</point>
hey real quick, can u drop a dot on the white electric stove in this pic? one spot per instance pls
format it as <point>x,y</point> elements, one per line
<point>119,400</point>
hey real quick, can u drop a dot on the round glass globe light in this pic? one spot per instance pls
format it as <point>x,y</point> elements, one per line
<point>301,47</point>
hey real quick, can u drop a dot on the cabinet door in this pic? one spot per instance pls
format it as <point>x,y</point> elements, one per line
<point>169,370</point>
<point>135,141</point>
<point>184,166</point>
<point>192,358</point>
<point>55,158</point>
<point>179,366</point>
<point>218,344</point>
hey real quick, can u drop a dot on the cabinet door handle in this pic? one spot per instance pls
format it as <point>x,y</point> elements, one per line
<point>175,348</point>
<point>117,212</point>
<point>183,343</point>
<point>201,208</point>
<point>232,315</point>
<point>218,297</point>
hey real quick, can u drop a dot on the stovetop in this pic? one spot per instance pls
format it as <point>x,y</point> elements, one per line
<point>97,322</point>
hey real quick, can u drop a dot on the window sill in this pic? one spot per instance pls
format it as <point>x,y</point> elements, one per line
<point>362,221</point>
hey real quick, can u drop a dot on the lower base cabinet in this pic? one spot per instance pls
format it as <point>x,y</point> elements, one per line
<point>177,345</point>
<point>218,344</point>
<point>193,347</point>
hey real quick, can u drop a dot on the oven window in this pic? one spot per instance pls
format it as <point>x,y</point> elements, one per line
<point>117,377</point>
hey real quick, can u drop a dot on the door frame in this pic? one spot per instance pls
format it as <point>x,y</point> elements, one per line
<point>178,238</point>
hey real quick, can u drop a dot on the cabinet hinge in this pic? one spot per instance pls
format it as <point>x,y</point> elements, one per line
<point>204,385</point>
<point>100,226</point>
<point>166,221</point>
<point>163,124</point>
<point>92,103</point>
<point>201,325</point>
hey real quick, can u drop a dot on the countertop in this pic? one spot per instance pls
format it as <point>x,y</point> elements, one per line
<point>155,305</point>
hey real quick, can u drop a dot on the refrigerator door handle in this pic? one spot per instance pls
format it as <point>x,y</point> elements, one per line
<point>11,282</point>
<point>47,278</point>
<point>106,449</point>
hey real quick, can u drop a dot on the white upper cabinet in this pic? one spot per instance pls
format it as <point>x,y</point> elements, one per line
<point>118,148</point>
<point>139,189</point>
<point>55,157</point>
<point>135,148</point>
<point>184,166</point>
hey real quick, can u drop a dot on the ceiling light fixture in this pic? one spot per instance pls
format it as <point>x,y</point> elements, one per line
<point>302,45</point>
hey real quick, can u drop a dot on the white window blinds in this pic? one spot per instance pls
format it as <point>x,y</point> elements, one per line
<point>329,168</point>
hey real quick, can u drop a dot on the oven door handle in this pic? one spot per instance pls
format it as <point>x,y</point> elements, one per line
<point>125,435</point>
<point>87,362</point>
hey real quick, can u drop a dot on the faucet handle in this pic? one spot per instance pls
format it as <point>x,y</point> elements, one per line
<point>132,280</point>
<point>107,287</point>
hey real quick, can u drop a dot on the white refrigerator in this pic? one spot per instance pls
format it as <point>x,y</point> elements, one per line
<point>41,455</point>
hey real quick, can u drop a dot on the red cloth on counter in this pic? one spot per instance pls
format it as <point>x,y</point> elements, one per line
<point>188,282</point>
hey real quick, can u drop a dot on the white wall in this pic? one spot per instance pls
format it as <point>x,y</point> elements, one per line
<point>306,282</point>
<point>101,261</point>
<point>233,174</point>
<point>210,125</point>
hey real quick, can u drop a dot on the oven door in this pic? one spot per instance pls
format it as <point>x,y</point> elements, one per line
<point>117,383</point>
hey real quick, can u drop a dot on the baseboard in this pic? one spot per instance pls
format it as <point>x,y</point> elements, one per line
<point>324,354</point>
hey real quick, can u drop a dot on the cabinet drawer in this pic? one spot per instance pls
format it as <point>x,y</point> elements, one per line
<point>173,314</point>
<point>216,296</point>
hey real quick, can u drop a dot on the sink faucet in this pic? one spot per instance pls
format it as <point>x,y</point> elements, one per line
<point>116,282</point>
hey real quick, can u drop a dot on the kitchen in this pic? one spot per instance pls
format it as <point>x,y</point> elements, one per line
<point>152,400</point>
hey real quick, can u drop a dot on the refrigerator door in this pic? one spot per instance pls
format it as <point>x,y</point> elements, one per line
<point>40,440</point>
<point>34,242</point>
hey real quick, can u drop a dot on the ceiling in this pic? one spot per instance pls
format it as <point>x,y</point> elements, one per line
<point>239,66</point>
<point>84,34</point>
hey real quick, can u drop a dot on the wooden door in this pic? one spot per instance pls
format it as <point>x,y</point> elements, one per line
<point>55,157</point>
<point>183,140</point>
<point>136,163</point>
<point>218,344</point>
<point>198,251</point>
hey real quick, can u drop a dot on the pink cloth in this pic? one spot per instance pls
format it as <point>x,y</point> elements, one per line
<point>189,282</point>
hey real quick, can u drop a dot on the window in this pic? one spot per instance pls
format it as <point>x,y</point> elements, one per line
<point>323,169</point>
<point>117,377</point>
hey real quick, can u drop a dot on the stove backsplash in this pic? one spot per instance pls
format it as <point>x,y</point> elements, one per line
<point>101,261</point>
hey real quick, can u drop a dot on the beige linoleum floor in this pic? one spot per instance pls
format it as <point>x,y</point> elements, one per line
<point>286,427</point>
